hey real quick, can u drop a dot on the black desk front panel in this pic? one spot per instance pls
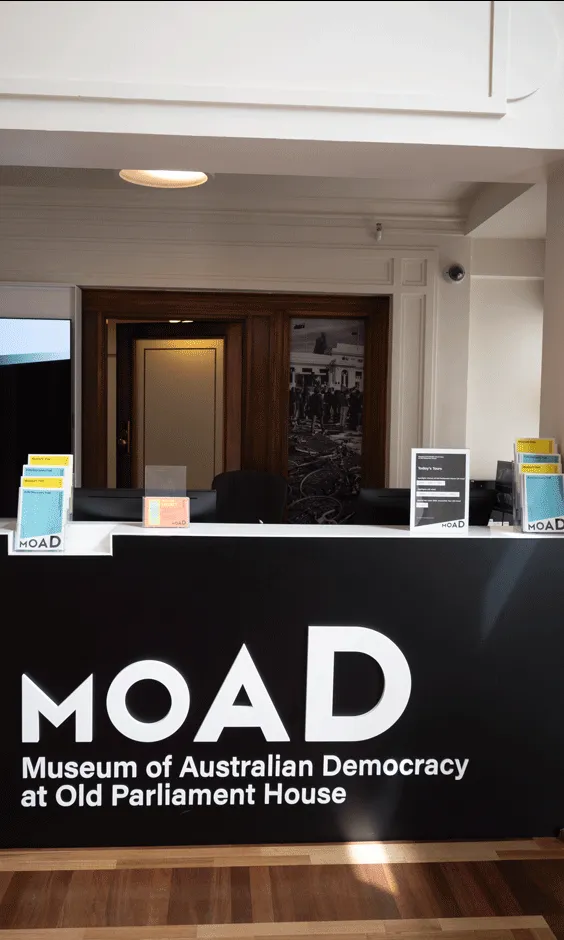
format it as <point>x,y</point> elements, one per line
<point>479,622</point>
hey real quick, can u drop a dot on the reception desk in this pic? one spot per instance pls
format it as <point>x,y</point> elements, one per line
<point>272,684</point>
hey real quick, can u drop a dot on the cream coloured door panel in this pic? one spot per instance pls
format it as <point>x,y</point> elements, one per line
<point>179,408</point>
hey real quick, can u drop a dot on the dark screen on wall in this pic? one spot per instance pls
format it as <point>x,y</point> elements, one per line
<point>35,399</point>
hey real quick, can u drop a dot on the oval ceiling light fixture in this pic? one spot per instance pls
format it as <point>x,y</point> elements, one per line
<point>164,179</point>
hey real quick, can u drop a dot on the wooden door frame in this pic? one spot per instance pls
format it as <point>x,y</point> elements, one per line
<point>265,323</point>
<point>230,332</point>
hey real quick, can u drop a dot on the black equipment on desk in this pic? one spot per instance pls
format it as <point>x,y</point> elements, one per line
<point>391,507</point>
<point>127,505</point>
<point>382,507</point>
<point>504,491</point>
<point>250,496</point>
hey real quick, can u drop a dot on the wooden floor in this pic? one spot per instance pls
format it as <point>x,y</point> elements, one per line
<point>451,891</point>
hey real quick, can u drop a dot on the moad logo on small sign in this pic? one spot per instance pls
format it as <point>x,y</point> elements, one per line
<point>546,525</point>
<point>321,724</point>
<point>45,543</point>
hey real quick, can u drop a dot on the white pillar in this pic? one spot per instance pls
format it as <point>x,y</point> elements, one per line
<point>552,378</point>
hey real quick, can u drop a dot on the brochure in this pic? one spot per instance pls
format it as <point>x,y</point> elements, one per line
<point>543,447</point>
<point>540,468</point>
<point>440,484</point>
<point>43,483</point>
<point>37,471</point>
<point>41,520</point>
<point>535,445</point>
<point>543,502</point>
<point>51,460</point>
<point>166,511</point>
<point>538,458</point>
<point>55,464</point>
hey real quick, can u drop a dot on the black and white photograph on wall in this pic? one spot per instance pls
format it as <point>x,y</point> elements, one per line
<point>325,419</point>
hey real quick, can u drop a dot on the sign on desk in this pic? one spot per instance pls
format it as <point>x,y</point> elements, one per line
<point>440,484</point>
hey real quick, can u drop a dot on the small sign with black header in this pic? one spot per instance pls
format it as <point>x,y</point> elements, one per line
<point>440,485</point>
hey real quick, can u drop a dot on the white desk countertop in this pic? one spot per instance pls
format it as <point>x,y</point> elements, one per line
<point>95,538</point>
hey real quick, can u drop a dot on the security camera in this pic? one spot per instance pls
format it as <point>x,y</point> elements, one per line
<point>455,273</point>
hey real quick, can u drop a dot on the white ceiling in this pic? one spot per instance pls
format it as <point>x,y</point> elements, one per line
<point>359,159</point>
<point>412,203</point>
<point>226,185</point>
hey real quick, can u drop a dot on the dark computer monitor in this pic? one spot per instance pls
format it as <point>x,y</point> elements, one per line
<point>391,507</point>
<point>35,397</point>
<point>127,505</point>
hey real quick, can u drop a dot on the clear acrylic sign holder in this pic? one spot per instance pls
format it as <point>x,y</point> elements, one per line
<point>165,504</point>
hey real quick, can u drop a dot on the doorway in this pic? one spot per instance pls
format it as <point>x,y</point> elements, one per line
<point>178,395</point>
<point>260,355</point>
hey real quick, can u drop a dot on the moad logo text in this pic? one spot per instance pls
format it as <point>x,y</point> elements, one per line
<point>320,722</point>
<point>546,525</point>
<point>53,541</point>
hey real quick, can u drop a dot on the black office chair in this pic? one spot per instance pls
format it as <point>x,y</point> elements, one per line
<point>382,507</point>
<point>127,505</point>
<point>250,496</point>
<point>391,507</point>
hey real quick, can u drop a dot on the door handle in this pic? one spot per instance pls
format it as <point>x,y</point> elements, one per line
<point>124,440</point>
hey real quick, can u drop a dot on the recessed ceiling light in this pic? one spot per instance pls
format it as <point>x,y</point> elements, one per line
<point>174,321</point>
<point>187,321</point>
<point>164,179</point>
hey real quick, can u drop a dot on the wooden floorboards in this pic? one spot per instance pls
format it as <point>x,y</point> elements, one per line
<point>452,891</point>
<point>249,856</point>
<point>500,928</point>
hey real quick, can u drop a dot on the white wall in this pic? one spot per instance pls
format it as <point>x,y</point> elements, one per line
<point>398,70</point>
<point>521,258</point>
<point>451,350</point>
<point>51,301</point>
<point>505,350</point>
<point>552,391</point>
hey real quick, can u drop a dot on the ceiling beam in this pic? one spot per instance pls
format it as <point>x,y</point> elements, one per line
<point>489,200</point>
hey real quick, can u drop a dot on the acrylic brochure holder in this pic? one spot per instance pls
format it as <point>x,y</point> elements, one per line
<point>44,503</point>
<point>165,504</point>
